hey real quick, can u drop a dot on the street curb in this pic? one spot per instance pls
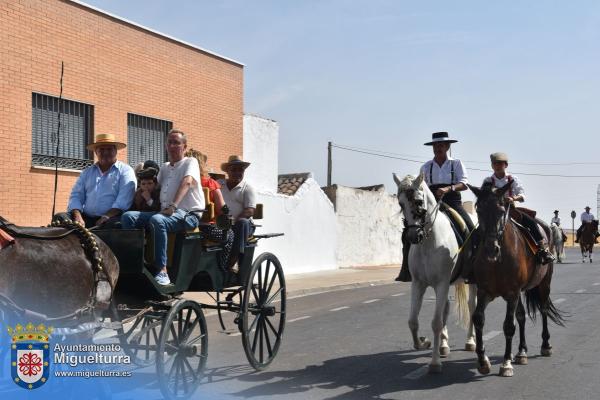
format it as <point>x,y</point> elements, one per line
<point>292,294</point>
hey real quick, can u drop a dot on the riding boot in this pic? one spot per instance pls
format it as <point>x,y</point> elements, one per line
<point>404,275</point>
<point>577,236</point>
<point>543,254</point>
<point>469,248</point>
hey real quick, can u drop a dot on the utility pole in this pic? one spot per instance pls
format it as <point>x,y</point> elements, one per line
<point>329,164</point>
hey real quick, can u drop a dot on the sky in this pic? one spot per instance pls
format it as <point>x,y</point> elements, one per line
<point>511,76</point>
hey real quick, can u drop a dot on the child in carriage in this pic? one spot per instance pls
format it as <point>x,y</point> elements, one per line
<point>147,196</point>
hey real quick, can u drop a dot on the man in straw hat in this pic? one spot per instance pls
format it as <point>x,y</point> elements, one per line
<point>240,197</point>
<point>104,190</point>
<point>586,218</point>
<point>181,202</point>
<point>446,178</point>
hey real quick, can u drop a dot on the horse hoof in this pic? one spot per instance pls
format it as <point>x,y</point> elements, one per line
<point>469,346</point>
<point>547,352</point>
<point>506,371</point>
<point>483,369</point>
<point>424,344</point>
<point>435,369</point>
<point>521,360</point>
<point>444,351</point>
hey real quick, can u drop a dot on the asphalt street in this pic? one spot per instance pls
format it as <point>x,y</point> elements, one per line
<point>355,344</point>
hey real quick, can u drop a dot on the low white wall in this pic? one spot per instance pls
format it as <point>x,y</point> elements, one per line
<point>369,226</point>
<point>309,223</point>
<point>261,149</point>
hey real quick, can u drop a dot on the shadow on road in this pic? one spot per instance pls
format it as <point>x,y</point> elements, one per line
<point>369,376</point>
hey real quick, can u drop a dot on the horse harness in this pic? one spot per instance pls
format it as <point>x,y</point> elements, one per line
<point>90,247</point>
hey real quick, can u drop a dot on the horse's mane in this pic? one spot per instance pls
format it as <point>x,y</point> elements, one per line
<point>406,183</point>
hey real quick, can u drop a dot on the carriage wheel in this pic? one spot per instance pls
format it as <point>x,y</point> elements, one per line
<point>262,316</point>
<point>182,350</point>
<point>139,339</point>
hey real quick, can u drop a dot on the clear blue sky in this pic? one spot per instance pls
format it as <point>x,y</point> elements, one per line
<point>383,75</point>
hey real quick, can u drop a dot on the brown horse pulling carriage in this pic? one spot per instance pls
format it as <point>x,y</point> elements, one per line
<point>80,282</point>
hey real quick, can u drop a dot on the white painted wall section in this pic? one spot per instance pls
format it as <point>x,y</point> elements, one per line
<point>261,148</point>
<point>309,223</point>
<point>369,227</point>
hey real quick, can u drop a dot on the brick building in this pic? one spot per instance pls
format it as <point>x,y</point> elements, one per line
<point>119,77</point>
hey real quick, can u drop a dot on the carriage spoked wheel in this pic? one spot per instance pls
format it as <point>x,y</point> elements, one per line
<point>139,339</point>
<point>262,315</point>
<point>182,350</point>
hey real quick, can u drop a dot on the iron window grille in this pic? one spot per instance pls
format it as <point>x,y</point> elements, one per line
<point>76,129</point>
<point>146,139</point>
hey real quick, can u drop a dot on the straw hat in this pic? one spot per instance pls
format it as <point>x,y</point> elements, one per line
<point>234,160</point>
<point>440,137</point>
<point>104,139</point>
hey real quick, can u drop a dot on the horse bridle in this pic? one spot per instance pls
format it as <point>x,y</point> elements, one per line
<point>427,221</point>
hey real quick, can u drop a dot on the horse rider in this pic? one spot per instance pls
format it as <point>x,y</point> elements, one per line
<point>556,220</point>
<point>181,201</point>
<point>105,189</point>
<point>586,218</point>
<point>446,178</point>
<point>514,194</point>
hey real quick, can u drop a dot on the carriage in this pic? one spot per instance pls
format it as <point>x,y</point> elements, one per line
<point>160,325</point>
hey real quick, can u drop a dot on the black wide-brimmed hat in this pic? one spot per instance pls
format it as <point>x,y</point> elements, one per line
<point>440,137</point>
<point>555,211</point>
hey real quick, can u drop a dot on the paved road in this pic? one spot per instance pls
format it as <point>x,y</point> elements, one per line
<point>355,344</point>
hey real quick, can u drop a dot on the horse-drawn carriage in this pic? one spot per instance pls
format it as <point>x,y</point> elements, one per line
<point>158,325</point>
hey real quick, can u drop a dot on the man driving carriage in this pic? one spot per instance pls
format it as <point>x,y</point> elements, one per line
<point>104,190</point>
<point>181,199</point>
<point>446,178</point>
<point>586,218</point>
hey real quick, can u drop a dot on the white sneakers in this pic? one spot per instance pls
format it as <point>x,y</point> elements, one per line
<point>162,278</point>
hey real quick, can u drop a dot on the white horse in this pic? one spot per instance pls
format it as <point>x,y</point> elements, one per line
<point>558,245</point>
<point>432,256</point>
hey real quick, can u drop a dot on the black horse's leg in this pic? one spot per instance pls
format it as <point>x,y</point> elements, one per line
<point>521,357</point>
<point>509,331</point>
<point>483,363</point>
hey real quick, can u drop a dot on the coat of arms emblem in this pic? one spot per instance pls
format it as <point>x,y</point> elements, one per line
<point>30,355</point>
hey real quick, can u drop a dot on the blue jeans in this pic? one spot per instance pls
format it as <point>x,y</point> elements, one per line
<point>160,225</point>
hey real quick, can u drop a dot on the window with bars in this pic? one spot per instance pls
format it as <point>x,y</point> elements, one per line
<point>76,129</point>
<point>146,139</point>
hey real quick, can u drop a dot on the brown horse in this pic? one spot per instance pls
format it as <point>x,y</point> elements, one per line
<point>587,239</point>
<point>50,273</point>
<point>504,266</point>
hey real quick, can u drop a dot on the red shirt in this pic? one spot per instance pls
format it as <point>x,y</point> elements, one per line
<point>212,185</point>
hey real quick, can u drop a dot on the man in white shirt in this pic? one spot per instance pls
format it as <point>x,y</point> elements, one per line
<point>555,219</point>
<point>181,199</point>
<point>586,218</point>
<point>446,178</point>
<point>240,197</point>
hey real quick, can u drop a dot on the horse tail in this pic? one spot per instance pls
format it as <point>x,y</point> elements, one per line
<point>535,304</point>
<point>461,293</point>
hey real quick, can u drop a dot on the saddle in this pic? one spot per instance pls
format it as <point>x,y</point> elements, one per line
<point>459,226</point>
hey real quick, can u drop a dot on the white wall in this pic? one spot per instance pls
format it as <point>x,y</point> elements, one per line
<point>261,149</point>
<point>369,226</point>
<point>309,223</point>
